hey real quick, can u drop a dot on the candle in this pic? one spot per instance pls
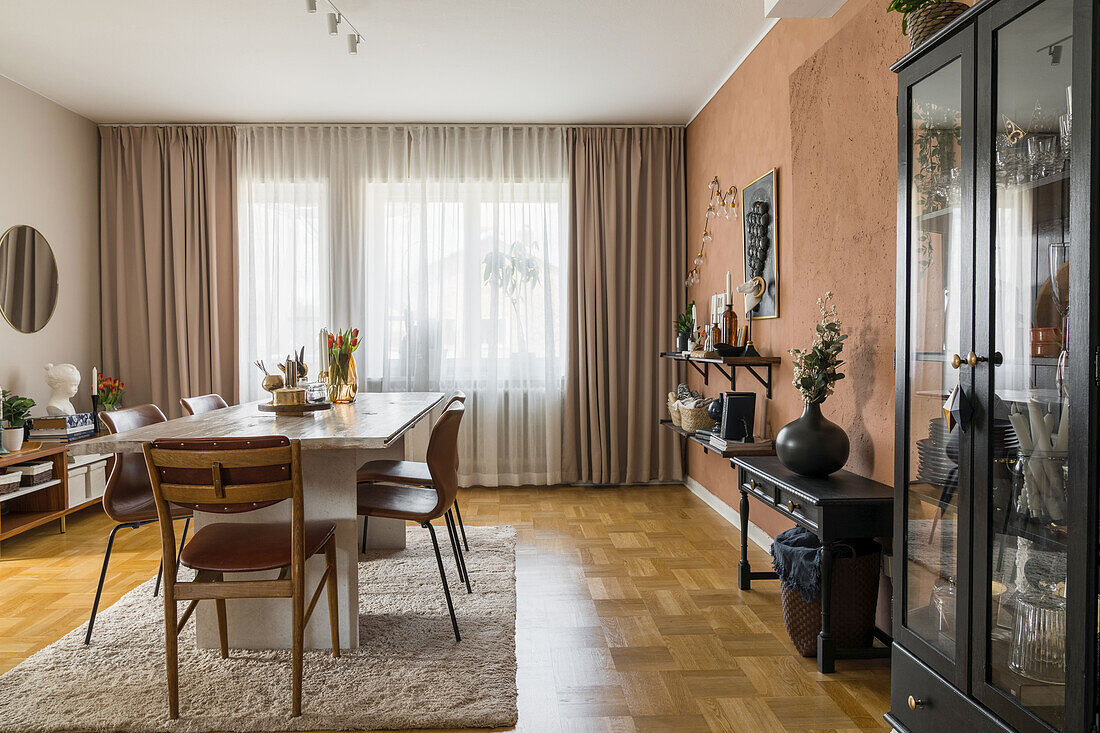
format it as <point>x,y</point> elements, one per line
<point>95,380</point>
<point>694,320</point>
<point>728,283</point>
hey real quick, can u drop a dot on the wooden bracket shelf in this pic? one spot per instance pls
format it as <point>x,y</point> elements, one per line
<point>732,363</point>
<point>742,449</point>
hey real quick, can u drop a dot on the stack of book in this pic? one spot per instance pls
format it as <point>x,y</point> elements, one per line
<point>721,444</point>
<point>63,428</point>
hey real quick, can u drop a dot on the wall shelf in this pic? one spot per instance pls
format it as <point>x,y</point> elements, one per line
<point>743,449</point>
<point>733,363</point>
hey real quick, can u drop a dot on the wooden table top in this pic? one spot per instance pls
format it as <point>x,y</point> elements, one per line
<point>373,421</point>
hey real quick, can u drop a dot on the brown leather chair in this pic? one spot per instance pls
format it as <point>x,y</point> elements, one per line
<point>232,476</point>
<point>205,403</point>
<point>412,473</point>
<point>422,504</point>
<point>128,497</point>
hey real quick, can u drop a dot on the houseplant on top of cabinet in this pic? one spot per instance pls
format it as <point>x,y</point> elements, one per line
<point>813,445</point>
<point>16,411</point>
<point>920,19</point>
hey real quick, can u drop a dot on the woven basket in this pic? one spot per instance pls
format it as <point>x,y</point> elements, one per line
<point>695,418</point>
<point>923,22</point>
<point>854,596</point>
<point>674,412</point>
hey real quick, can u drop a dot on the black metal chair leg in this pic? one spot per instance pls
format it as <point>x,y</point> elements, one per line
<point>454,546</point>
<point>102,577</point>
<point>461,526</point>
<point>363,548</point>
<point>160,572</point>
<point>443,577</point>
<point>183,540</point>
<point>460,555</point>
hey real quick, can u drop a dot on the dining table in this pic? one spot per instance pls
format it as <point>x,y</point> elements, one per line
<point>335,443</point>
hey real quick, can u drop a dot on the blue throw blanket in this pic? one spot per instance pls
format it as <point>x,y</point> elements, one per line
<point>796,558</point>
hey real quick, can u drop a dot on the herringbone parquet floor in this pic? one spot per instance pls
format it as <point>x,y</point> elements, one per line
<point>629,615</point>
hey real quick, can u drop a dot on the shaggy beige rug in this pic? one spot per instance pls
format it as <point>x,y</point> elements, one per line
<point>409,673</point>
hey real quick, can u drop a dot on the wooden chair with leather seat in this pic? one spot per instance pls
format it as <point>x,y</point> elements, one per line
<point>422,504</point>
<point>232,476</point>
<point>128,497</point>
<point>203,403</point>
<point>412,473</point>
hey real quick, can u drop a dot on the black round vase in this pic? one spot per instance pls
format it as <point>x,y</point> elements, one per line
<point>812,445</point>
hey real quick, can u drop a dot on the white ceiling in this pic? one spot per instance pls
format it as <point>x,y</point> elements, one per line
<point>522,61</point>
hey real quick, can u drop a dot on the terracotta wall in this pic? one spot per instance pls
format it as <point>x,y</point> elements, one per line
<point>816,100</point>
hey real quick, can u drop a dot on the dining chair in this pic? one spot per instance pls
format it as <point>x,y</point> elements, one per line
<point>128,497</point>
<point>233,476</point>
<point>422,504</point>
<point>413,473</point>
<point>205,403</point>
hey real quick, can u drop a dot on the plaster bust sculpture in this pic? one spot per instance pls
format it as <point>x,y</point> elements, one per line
<point>63,381</point>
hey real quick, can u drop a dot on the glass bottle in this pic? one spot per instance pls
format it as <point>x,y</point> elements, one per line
<point>729,325</point>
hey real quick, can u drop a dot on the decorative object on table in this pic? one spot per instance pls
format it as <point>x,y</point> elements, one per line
<point>921,19</point>
<point>683,329</point>
<point>28,272</point>
<point>796,559</point>
<point>16,411</point>
<point>94,387</point>
<point>292,408</point>
<point>343,378</point>
<point>109,393</point>
<point>271,382</point>
<point>729,317</point>
<point>693,414</point>
<point>294,368</point>
<point>63,428</point>
<point>63,381</point>
<point>718,205</point>
<point>761,286</point>
<point>813,445</point>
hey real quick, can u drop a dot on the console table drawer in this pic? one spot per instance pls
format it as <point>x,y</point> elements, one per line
<point>801,510</point>
<point>762,489</point>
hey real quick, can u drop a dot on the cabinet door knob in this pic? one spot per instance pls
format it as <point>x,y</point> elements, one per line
<point>973,359</point>
<point>791,506</point>
<point>915,702</point>
<point>956,361</point>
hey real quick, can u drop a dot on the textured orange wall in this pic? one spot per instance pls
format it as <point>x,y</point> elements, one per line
<point>816,100</point>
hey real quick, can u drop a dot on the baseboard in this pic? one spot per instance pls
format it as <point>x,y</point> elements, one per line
<point>759,537</point>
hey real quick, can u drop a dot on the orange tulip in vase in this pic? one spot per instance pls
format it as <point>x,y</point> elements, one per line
<point>343,381</point>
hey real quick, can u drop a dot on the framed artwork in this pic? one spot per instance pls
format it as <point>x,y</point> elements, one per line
<point>759,209</point>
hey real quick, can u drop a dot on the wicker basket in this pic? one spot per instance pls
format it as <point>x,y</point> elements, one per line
<point>695,418</point>
<point>855,597</point>
<point>923,22</point>
<point>674,412</point>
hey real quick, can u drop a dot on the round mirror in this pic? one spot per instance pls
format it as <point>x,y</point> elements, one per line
<point>28,279</point>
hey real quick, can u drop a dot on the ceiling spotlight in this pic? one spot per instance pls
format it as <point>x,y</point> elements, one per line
<point>353,43</point>
<point>334,24</point>
<point>311,6</point>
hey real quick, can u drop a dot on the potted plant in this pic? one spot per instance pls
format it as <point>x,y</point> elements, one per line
<point>812,445</point>
<point>683,328</point>
<point>16,411</point>
<point>920,19</point>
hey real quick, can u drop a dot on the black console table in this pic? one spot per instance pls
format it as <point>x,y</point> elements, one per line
<point>843,506</point>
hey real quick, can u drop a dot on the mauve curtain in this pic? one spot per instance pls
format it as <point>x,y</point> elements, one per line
<point>168,227</point>
<point>626,272</point>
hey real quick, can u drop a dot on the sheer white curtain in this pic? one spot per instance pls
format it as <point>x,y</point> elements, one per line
<point>446,246</point>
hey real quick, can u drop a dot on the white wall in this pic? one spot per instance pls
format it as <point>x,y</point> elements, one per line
<point>49,179</point>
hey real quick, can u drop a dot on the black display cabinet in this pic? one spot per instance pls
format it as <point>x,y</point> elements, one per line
<point>996,512</point>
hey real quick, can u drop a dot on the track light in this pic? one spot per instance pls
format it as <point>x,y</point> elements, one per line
<point>334,24</point>
<point>353,43</point>
<point>335,21</point>
<point>311,6</point>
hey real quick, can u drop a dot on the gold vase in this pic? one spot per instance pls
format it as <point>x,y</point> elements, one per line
<point>343,381</point>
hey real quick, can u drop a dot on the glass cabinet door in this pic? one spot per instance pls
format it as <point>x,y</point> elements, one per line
<point>1022,439</point>
<point>940,287</point>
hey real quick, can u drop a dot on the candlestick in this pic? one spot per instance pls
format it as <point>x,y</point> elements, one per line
<point>95,380</point>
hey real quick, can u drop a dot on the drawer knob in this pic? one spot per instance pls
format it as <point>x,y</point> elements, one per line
<point>752,484</point>
<point>791,506</point>
<point>915,702</point>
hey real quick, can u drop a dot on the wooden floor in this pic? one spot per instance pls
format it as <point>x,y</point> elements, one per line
<point>629,614</point>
